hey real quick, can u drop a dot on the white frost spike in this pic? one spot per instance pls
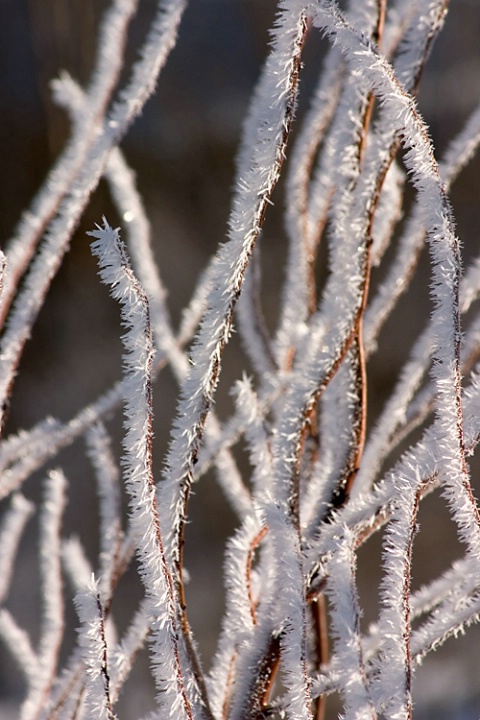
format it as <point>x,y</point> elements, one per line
<point>91,639</point>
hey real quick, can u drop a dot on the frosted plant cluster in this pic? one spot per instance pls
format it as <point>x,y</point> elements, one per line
<point>320,482</point>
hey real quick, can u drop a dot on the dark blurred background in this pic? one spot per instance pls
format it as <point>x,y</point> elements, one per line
<point>183,149</point>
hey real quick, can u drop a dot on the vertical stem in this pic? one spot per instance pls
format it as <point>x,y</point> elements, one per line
<point>319,617</point>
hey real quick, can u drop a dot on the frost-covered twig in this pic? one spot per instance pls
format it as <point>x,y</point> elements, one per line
<point>11,531</point>
<point>154,53</point>
<point>93,643</point>
<point>156,574</point>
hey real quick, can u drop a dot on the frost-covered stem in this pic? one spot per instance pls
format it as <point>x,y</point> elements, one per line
<point>45,265</point>
<point>357,353</point>
<point>228,686</point>
<point>411,242</point>
<point>127,198</point>
<point>449,619</point>
<point>242,598</point>
<point>394,670</point>
<point>412,58</point>
<point>398,20</point>
<point>253,329</point>
<point>13,524</point>
<point>76,566</point>
<point>291,608</point>
<point>440,601</point>
<point>241,615</point>
<point>162,603</point>
<point>46,439</point>
<point>255,542</point>
<point>40,668</point>
<point>352,333</point>
<point>94,650</point>
<point>370,512</point>
<point>359,420</point>
<point>318,611</point>
<point>444,247</point>
<point>376,35</point>
<point>418,42</point>
<point>299,293</point>
<point>263,358</point>
<point>301,403</point>
<point>234,428</point>
<point>424,403</point>
<point>281,611</point>
<point>347,660</point>
<point>18,643</point>
<point>400,415</point>
<point>248,214</point>
<point>67,689</point>
<point>301,416</point>
<point>383,436</point>
<point>406,600</point>
<point>105,75</point>
<point>52,594</point>
<point>108,491</point>
<point>129,203</point>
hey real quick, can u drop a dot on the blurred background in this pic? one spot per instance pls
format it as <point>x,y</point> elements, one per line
<point>183,151</point>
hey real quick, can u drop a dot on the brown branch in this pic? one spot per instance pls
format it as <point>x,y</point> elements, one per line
<point>318,610</point>
<point>248,570</point>
<point>105,675</point>
<point>156,521</point>
<point>342,490</point>
<point>259,697</point>
<point>228,687</point>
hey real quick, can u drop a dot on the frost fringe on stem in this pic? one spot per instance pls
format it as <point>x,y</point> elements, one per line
<point>116,272</point>
<point>318,480</point>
